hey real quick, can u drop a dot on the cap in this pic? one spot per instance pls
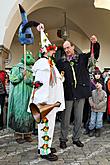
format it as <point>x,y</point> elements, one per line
<point>97,71</point>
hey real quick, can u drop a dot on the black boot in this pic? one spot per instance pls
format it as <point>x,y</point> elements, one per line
<point>91,133</point>
<point>97,132</point>
<point>63,145</point>
<point>86,132</point>
<point>78,143</point>
<point>28,137</point>
<point>19,138</point>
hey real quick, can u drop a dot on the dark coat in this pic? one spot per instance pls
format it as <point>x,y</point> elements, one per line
<point>80,61</point>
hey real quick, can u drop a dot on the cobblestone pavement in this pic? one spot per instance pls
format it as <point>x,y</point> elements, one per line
<point>96,151</point>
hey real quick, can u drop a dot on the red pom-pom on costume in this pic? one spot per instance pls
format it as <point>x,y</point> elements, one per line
<point>51,47</point>
<point>37,84</point>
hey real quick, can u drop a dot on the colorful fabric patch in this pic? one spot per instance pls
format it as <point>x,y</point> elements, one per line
<point>44,120</point>
<point>37,84</point>
<point>45,129</point>
<point>46,138</point>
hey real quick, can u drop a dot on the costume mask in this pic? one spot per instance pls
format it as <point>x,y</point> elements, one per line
<point>29,58</point>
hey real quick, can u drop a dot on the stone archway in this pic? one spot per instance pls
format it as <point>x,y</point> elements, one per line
<point>84,15</point>
<point>41,9</point>
<point>10,19</point>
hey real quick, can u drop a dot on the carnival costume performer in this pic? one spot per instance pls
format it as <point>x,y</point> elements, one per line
<point>20,90</point>
<point>49,89</point>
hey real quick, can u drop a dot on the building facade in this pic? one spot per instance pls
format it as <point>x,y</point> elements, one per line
<point>83,18</point>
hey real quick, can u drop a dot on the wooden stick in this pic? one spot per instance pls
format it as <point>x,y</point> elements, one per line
<point>24,56</point>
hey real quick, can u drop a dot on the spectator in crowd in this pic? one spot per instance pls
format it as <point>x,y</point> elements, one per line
<point>97,76</point>
<point>108,96</point>
<point>98,107</point>
<point>7,86</point>
<point>105,77</point>
<point>2,96</point>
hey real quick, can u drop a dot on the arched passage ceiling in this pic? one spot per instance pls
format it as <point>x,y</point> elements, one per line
<point>53,18</point>
<point>81,14</point>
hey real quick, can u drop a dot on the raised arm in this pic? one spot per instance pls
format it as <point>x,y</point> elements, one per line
<point>94,47</point>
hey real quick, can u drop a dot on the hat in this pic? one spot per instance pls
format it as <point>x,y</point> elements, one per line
<point>97,70</point>
<point>26,37</point>
<point>46,45</point>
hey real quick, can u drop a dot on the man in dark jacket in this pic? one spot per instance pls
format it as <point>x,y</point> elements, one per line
<point>76,88</point>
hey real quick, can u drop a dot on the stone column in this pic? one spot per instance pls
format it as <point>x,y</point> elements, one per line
<point>4,52</point>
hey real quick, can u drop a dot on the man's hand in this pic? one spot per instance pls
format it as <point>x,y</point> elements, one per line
<point>93,39</point>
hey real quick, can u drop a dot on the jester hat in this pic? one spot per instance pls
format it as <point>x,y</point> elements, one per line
<point>46,45</point>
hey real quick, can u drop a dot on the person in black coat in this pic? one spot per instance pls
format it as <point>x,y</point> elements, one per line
<point>76,88</point>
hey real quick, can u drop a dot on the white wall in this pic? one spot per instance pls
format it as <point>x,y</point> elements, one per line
<point>5,7</point>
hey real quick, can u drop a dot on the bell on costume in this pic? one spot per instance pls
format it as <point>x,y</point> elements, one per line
<point>39,111</point>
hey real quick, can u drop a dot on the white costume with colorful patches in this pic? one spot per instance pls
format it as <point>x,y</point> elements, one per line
<point>48,94</point>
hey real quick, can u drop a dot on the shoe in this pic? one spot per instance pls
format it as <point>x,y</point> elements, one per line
<point>28,139</point>
<point>91,133</point>
<point>63,145</point>
<point>53,150</point>
<point>78,143</point>
<point>97,133</point>
<point>20,141</point>
<point>1,128</point>
<point>86,132</point>
<point>50,157</point>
